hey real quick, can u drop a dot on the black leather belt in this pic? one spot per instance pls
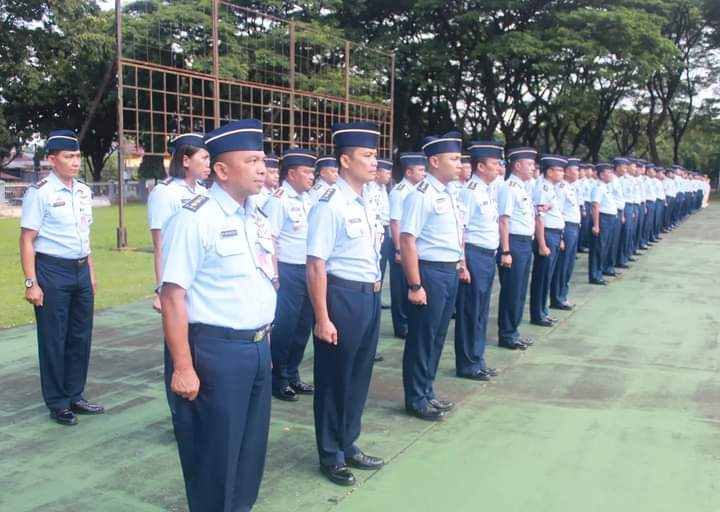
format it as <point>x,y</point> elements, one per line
<point>448,265</point>
<point>521,237</point>
<point>557,231</point>
<point>571,223</point>
<point>357,286</point>
<point>481,250</point>
<point>608,215</point>
<point>297,265</point>
<point>246,335</point>
<point>79,262</point>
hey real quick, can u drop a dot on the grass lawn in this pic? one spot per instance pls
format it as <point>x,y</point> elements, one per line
<point>122,276</point>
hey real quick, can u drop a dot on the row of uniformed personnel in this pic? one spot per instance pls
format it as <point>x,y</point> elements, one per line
<point>229,270</point>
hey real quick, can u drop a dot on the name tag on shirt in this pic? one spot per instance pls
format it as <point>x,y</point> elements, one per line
<point>58,203</point>
<point>228,233</point>
<point>442,205</point>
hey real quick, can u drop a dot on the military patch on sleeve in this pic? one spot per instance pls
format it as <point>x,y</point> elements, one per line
<point>317,186</point>
<point>472,185</point>
<point>38,184</point>
<point>423,186</point>
<point>196,202</point>
<point>327,195</point>
<point>166,181</point>
<point>278,192</point>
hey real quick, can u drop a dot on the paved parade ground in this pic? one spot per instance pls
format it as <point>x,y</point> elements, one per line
<point>615,408</point>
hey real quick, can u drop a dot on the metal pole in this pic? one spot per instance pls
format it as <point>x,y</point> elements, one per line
<point>216,64</point>
<point>392,105</point>
<point>347,81</point>
<point>291,78</point>
<point>121,230</point>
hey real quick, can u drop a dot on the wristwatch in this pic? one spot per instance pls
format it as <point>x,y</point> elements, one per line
<point>415,287</point>
<point>505,253</point>
<point>30,282</point>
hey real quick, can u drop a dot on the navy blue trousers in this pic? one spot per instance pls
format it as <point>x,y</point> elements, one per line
<point>293,324</point>
<point>650,222</point>
<point>427,327</point>
<point>659,215</point>
<point>222,434</point>
<point>585,225</point>
<point>542,271</point>
<point>513,289</point>
<point>387,252</point>
<point>343,371</point>
<point>472,310</point>
<point>640,230</point>
<point>64,329</point>
<point>560,284</point>
<point>599,247</point>
<point>398,298</point>
<point>626,229</point>
<point>609,263</point>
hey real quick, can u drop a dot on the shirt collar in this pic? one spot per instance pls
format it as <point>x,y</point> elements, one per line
<point>432,180</point>
<point>289,190</point>
<point>57,184</point>
<point>229,205</point>
<point>514,177</point>
<point>347,191</point>
<point>479,181</point>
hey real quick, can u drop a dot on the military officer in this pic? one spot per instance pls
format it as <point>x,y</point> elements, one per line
<point>56,259</point>
<point>326,171</point>
<point>219,246</point>
<point>568,193</point>
<point>272,180</point>
<point>548,243</point>
<point>482,239</point>
<point>604,211</point>
<point>377,194</point>
<point>412,166</point>
<point>287,211</point>
<point>431,249</point>
<point>343,274</point>
<point>189,166</point>
<point>517,225</point>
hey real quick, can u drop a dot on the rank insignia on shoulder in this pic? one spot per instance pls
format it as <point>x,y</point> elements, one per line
<point>472,185</point>
<point>327,195</point>
<point>400,186</point>
<point>166,181</point>
<point>196,202</point>
<point>278,192</point>
<point>39,184</point>
<point>317,186</point>
<point>423,186</point>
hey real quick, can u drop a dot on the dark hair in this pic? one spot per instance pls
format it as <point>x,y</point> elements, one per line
<point>177,170</point>
<point>475,161</point>
<point>343,151</point>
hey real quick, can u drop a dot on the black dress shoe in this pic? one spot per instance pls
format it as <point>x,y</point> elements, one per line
<point>338,474</point>
<point>362,461</point>
<point>643,247</point>
<point>385,306</point>
<point>582,250</point>
<point>378,357</point>
<point>286,394</point>
<point>564,306</point>
<point>302,388</point>
<point>552,319</point>
<point>658,238</point>
<point>492,372</point>
<point>64,417</point>
<point>477,375</point>
<point>526,341</point>
<point>442,405</point>
<point>513,345</point>
<point>427,413</point>
<point>544,322</point>
<point>601,282</point>
<point>85,407</point>
<point>622,265</point>
<point>632,259</point>
<point>610,274</point>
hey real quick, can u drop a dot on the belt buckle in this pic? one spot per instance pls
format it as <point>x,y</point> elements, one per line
<point>458,266</point>
<point>260,334</point>
<point>81,262</point>
<point>377,286</point>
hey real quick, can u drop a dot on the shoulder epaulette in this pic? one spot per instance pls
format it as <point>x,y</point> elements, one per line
<point>166,181</point>
<point>422,186</point>
<point>327,195</point>
<point>400,186</point>
<point>317,186</point>
<point>39,184</point>
<point>278,192</point>
<point>83,182</point>
<point>545,188</point>
<point>472,185</point>
<point>196,202</point>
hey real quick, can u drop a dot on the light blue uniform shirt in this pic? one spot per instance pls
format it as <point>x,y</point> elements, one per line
<point>318,189</point>
<point>260,199</point>
<point>221,254</point>
<point>344,231</point>
<point>569,204</point>
<point>61,216</point>
<point>287,212</point>
<point>603,196</point>
<point>514,202</point>
<point>397,198</point>
<point>669,187</point>
<point>167,197</point>
<point>495,186</point>
<point>431,215</point>
<point>378,196</point>
<point>628,188</point>
<point>481,215</point>
<point>617,193</point>
<point>546,196</point>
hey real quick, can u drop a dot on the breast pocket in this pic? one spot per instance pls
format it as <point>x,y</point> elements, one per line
<point>296,216</point>
<point>230,246</point>
<point>355,228</point>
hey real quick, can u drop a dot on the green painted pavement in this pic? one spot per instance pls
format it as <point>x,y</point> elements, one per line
<point>616,408</point>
